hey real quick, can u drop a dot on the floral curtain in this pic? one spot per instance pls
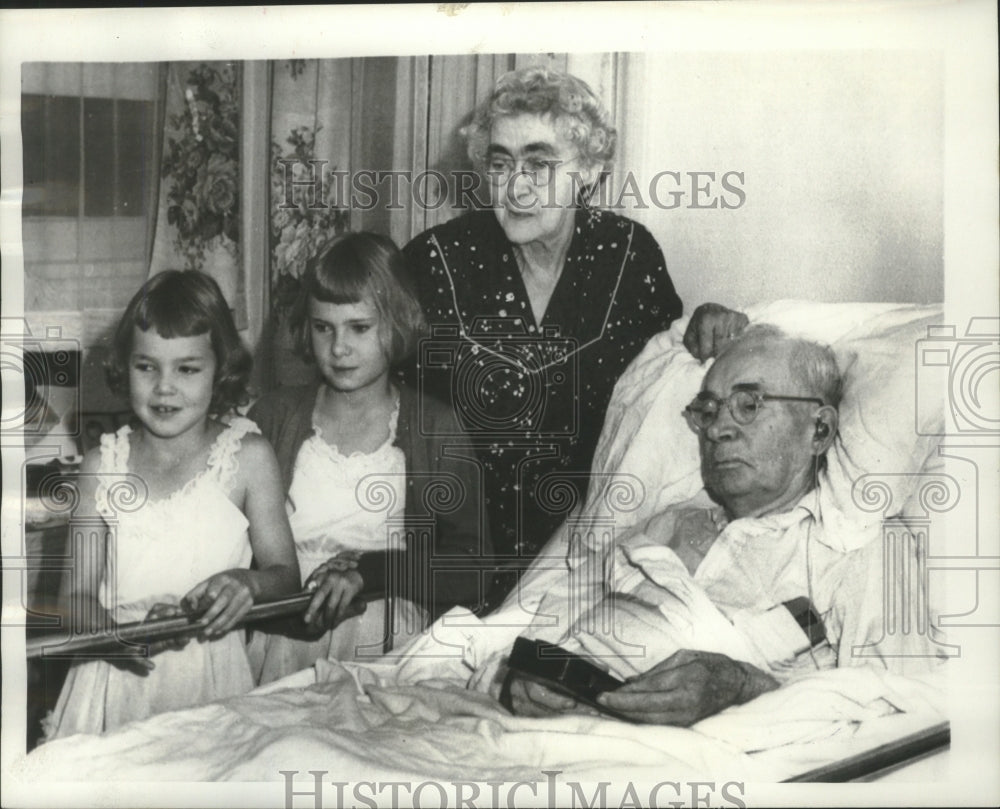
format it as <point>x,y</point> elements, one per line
<point>198,215</point>
<point>326,125</point>
<point>310,141</point>
<point>373,122</point>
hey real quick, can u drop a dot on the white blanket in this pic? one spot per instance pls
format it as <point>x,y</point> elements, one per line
<point>415,719</point>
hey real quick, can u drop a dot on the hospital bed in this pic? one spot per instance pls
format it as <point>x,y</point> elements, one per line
<point>425,712</point>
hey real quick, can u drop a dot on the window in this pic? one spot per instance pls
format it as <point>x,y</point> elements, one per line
<point>103,167</point>
<point>89,147</point>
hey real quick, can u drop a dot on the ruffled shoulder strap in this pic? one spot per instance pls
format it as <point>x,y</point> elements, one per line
<point>394,421</point>
<point>222,463</point>
<point>114,463</point>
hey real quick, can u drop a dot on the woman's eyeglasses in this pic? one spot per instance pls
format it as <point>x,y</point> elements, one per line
<point>743,406</point>
<point>539,171</point>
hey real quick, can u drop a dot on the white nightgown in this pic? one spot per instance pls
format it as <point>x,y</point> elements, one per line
<point>340,502</point>
<point>159,551</point>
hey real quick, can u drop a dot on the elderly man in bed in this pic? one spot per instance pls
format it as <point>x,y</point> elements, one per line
<point>736,595</point>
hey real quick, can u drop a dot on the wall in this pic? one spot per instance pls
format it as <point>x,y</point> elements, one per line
<point>842,156</point>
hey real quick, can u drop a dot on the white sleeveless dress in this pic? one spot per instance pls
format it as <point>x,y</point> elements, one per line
<point>157,552</point>
<point>327,516</point>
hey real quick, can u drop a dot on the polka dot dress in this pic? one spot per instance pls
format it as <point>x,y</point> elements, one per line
<point>532,396</point>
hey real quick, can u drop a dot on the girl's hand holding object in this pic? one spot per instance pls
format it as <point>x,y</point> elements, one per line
<point>226,597</point>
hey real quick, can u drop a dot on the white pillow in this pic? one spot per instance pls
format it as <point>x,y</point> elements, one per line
<point>647,445</point>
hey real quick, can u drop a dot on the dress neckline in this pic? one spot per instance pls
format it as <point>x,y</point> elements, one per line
<point>536,324</point>
<point>392,422</point>
<point>190,484</point>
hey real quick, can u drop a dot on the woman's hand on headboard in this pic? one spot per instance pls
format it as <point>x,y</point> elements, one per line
<point>712,325</point>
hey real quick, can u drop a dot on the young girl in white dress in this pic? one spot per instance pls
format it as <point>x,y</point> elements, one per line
<point>363,457</point>
<point>171,512</point>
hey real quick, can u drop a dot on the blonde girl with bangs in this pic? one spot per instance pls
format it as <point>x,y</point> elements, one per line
<point>364,462</point>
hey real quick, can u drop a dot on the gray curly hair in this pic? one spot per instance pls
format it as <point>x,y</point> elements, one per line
<point>575,108</point>
<point>815,364</point>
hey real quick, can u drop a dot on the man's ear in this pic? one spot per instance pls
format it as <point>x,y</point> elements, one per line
<point>827,421</point>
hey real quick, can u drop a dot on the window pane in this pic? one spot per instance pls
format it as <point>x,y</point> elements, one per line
<point>135,156</point>
<point>98,157</point>
<point>116,175</point>
<point>50,134</point>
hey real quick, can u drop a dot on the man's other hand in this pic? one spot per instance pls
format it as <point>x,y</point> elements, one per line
<point>529,698</point>
<point>686,687</point>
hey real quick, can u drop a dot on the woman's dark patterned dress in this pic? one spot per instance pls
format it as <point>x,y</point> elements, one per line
<point>532,396</point>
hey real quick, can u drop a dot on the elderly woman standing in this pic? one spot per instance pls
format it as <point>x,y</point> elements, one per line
<point>539,304</point>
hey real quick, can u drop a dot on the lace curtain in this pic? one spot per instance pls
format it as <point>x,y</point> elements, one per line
<point>88,146</point>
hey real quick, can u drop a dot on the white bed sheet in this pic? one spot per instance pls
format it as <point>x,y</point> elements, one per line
<point>414,718</point>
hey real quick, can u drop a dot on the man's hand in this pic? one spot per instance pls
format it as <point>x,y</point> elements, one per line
<point>688,686</point>
<point>711,327</point>
<point>529,698</point>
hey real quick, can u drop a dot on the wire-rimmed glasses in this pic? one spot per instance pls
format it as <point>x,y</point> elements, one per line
<point>743,406</point>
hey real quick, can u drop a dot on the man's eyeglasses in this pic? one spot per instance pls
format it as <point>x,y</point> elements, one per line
<point>743,406</point>
<point>539,171</point>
